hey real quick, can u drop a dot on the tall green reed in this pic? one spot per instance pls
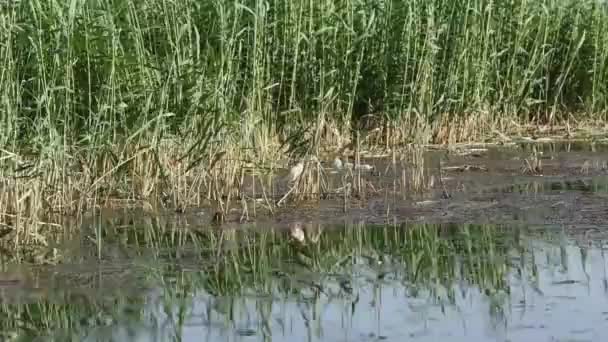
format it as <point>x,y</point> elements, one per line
<point>102,72</point>
<point>94,87</point>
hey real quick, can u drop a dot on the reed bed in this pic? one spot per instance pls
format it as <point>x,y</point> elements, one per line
<point>174,100</point>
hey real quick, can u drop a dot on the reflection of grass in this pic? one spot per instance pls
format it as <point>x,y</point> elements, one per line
<point>557,185</point>
<point>418,255</point>
<point>230,264</point>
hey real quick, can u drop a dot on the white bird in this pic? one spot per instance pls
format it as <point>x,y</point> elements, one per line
<point>295,172</point>
<point>337,164</point>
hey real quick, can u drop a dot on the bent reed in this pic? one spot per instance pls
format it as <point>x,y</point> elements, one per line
<point>182,101</point>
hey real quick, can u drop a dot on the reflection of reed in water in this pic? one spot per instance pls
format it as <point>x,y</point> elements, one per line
<point>340,266</point>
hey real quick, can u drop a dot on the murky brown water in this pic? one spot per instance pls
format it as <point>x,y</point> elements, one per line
<point>504,257</point>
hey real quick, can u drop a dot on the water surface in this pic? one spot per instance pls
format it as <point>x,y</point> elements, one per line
<point>350,282</point>
<point>508,256</point>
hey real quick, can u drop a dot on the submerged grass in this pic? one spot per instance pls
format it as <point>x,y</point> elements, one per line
<point>174,101</point>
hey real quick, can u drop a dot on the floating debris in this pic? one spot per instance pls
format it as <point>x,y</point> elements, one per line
<point>472,152</point>
<point>466,167</point>
<point>359,167</point>
<point>364,167</point>
<point>425,203</point>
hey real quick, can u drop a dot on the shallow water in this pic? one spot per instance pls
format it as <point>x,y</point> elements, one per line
<point>354,282</point>
<point>508,257</point>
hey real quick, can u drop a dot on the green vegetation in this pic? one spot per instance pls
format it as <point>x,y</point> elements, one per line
<point>225,267</point>
<point>170,99</point>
